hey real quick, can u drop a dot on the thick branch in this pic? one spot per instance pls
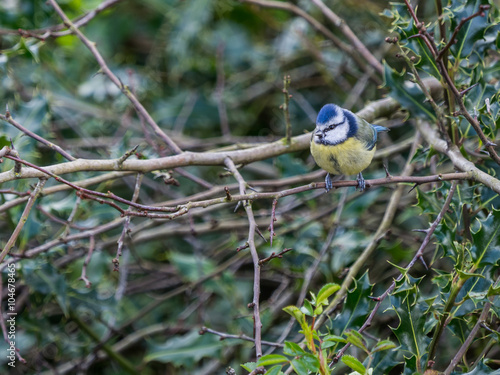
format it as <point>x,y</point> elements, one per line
<point>456,157</point>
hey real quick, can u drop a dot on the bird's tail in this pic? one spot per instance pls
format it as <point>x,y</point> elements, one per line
<point>379,128</point>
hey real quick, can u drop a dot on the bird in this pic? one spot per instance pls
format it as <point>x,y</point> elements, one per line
<point>343,143</point>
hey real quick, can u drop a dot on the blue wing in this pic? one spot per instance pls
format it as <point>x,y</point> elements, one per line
<point>370,145</point>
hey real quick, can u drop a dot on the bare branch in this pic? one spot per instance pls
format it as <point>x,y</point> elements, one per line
<point>105,69</point>
<point>255,258</point>
<point>349,34</point>
<point>8,118</point>
<point>224,336</point>
<point>24,217</point>
<point>417,256</point>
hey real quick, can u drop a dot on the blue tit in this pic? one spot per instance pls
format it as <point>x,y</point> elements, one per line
<point>343,143</point>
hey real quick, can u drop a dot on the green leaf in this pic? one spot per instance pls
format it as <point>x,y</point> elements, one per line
<point>468,275</point>
<point>191,267</point>
<point>297,314</point>
<point>334,338</point>
<point>275,370</point>
<point>493,291</point>
<point>408,94</point>
<point>249,366</point>
<point>411,329</point>
<point>300,367</point>
<point>402,270</point>
<point>487,238</point>
<point>311,362</point>
<point>307,308</point>
<point>31,48</point>
<point>46,280</point>
<point>4,141</point>
<point>354,364</point>
<point>355,338</point>
<point>325,293</point>
<point>405,26</point>
<point>292,348</point>
<point>472,31</point>
<point>383,345</point>
<point>411,366</point>
<point>482,369</point>
<point>318,310</point>
<point>185,350</point>
<point>271,359</point>
<point>356,306</point>
<point>473,293</point>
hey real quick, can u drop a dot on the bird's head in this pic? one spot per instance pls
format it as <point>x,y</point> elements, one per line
<point>334,125</point>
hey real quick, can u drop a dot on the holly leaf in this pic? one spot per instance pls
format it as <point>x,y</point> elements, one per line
<point>356,307</point>
<point>411,330</point>
<point>472,31</point>
<point>486,240</point>
<point>407,93</point>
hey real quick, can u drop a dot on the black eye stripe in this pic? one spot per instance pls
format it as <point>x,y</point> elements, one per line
<point>332,126</point>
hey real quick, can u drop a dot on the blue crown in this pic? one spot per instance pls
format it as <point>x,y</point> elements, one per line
<point>326,113</point>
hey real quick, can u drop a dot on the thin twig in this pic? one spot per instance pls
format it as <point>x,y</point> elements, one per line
<point>144,210</point>
<point>126,225</point>
<point>105,69</point>
<point>55,31</point>
<point>273,219</point>
<point>71,217</point>
<point>345,47</point>
<point>58,188</point>
<point>274,255</point>
<point>185,112</point>
<point>58,220</point>
<point>13,192</point>
<point>384,226</point>
<point>219,91</point>
<point>87,261</point>
<point>255,258</point>
<point>418,255</point>
<point>462,22</point>
<point>349,34</point>
<point>8,118</point>
<point>468,341</point>
<point>286,109</point>
<point>443,69</point>
<point>22,220</point>
<point>311,271</point>
<point>86,193</point>
<point>224,336</point>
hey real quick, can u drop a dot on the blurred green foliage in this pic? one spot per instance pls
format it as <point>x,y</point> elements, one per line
<point>183,59</point>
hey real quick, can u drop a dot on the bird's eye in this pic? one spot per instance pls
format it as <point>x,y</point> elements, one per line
<point>331,127</point>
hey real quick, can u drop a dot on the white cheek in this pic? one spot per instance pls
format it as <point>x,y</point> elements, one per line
<point>337,135</point>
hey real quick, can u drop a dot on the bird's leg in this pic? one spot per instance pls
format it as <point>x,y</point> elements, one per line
<point>361,182</point>
<point>328,183</point>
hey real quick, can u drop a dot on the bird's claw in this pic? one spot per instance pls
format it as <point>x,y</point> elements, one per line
<point>328,183</point>
<point>361,183</point>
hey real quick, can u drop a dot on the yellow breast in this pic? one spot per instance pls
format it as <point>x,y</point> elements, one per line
<point>348,158</point>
